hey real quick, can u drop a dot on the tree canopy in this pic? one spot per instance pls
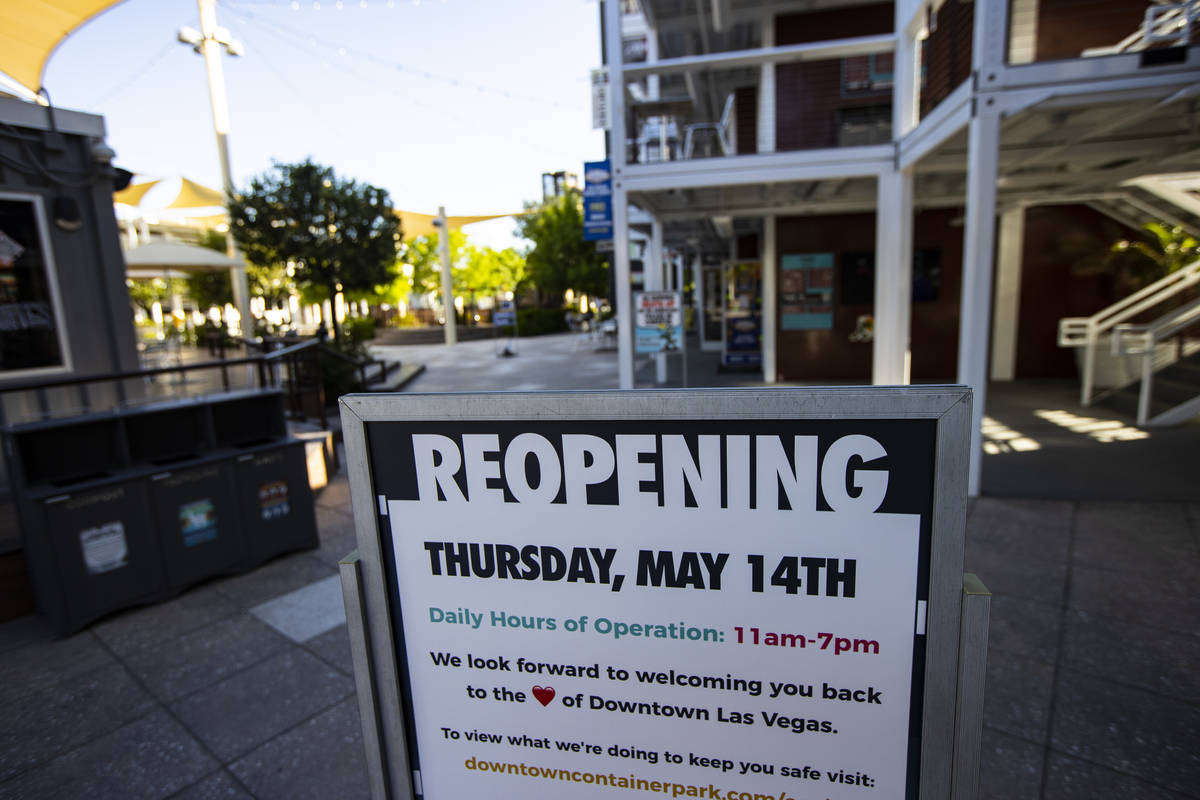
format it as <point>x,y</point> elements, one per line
<point>338,234</point>
<point>560,258</point>
<point>476,271</point>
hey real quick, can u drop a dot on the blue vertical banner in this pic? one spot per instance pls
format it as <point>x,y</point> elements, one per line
<point>597,200</point>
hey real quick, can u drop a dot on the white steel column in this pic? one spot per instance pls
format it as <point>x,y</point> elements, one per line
<point>210,48</point>
<point>1007,311</point>
<point>907,71</point>
<point>451,311</point>
<point>770,298</point>
<point>766,93</point>
<point>699,297</point>
<point>983,146</point>
<point>890,356</point>
<point>655,267</point>
<point>620,197</point>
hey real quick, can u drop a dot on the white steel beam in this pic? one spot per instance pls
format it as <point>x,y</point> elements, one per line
<point>770,298</point>
<point>950,117</point>
<point>1171,194</point>
<point>989,43</point>
<point>766,95</point>
<point>620,195</point>
<point>1114,68</point>
<point>890,354</point>
<point>1006,317</point>
<point>907,72</point>
<point>978,240</point>
<point>843,162</point>
<point>654,267</point>
<point>736,59</point>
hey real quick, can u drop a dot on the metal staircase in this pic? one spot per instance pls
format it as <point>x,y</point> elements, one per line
<point>1167,379</point>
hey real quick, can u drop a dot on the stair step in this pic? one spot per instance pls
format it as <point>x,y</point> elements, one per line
<point>1173,392</point>
<point>397,379</point>
<point>1126,401</point>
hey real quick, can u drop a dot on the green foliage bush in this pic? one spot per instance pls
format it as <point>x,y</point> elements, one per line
<point>339,376</point>
<point>538,321</point>
<point>360,329</point>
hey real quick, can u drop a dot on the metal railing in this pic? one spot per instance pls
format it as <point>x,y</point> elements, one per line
<point>1143,340</point>
<point>1164,22</point>
<point>296,370</point>
<point>1086,332</point>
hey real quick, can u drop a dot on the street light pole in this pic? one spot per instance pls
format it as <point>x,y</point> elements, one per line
<point>208,43</point>
<point>443,226</point>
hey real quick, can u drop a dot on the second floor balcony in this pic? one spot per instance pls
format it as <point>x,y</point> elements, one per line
<point>722,78</point>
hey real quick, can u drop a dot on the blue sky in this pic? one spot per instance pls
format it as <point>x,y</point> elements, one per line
<point>456,102</point>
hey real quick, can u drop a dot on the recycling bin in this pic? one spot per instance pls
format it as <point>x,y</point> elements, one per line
<point>199,522</point>
<point>275,499</point>
<point>105,553</point>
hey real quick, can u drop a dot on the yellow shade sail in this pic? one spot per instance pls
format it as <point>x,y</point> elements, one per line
<point>30,30</point>
<point>415,224</point>
<point>132,195</point>
<point>195,195</point>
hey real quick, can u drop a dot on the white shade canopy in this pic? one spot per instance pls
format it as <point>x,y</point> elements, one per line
<point>165,255</point>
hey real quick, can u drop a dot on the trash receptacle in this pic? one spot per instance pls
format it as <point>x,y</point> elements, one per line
<point>276,501</point>
<point>106,553</point>
<point>199,523</point>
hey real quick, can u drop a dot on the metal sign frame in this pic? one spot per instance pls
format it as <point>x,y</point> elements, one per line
<point>947,768</point>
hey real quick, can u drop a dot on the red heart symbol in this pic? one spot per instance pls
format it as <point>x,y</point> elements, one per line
<point>544,694</point>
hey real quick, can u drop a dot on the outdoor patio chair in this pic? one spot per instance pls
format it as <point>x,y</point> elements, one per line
<point>716,130</point>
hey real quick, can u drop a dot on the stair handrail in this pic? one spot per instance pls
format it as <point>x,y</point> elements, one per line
<point>1162,22</point>
<point>1093,327</point>
<point>1170,324</point>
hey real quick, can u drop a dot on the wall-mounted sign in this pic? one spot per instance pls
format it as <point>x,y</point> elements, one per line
<point>600,99</point>
<point>806,292</point>
<point>658,322</point>
<point>597,200</point>
<point>671,593</point>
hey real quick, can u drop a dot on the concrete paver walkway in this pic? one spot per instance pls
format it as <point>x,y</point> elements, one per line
<point>1092,690</point>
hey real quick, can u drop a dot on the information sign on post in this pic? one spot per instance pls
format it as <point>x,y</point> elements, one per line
<point>597,200</point>
<point>686,594</point>
<point>659,322</point>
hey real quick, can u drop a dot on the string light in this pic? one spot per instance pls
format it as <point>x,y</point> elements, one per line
<point>342,50</point>
<point>373,78</point>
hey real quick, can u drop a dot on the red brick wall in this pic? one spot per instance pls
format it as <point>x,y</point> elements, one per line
<point>1066,28</point>
<point>808,95</point>
<point>830,355</point>
<point>745,109</point>
<point>947,53</point>
<point>1056,238</point>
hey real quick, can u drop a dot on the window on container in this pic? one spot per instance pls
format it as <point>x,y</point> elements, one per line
<point>30,326</point>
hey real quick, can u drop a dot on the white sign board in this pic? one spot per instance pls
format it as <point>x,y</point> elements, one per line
<point>677,606</point>
<point>658,322</point>
<point>600,99</point>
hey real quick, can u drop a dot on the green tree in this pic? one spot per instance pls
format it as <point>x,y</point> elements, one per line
<point>1131,262</point>
<point>208,289</point>
<point>560,259</point>
<point>145,293</point>
<point>1166,250</point>
<point>489,272</point>
<point>339,235</point>
<point>422,254</point>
